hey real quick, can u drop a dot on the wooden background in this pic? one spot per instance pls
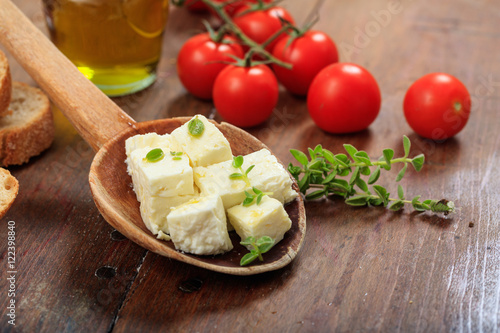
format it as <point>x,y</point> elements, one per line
<point>360,269</point>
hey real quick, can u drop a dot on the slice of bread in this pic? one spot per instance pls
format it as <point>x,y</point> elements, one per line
<point>29,129</point>
<point>5,85</point>
<point>8,191</point>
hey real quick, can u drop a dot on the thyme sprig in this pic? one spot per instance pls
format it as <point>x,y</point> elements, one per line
<point>243,174</point>
<point>259,246</point>
<point>322,171</point>
<point>254,198</point>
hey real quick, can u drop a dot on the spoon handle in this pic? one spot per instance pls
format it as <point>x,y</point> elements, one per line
<point>96,118</point>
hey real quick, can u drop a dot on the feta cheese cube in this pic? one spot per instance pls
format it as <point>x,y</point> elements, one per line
<point>268,218</point>
<point>199,226</point>
<point>152,140</point>
<point>208,148</point>
<point>171,176</point>
<point>154,210</point>
<point>268,175</point>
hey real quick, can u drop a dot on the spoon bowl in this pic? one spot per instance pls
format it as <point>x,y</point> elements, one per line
<point>113,195</point>
<point>105,127</point>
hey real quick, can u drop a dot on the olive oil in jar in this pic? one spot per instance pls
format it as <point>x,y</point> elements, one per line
<point>114,43</point>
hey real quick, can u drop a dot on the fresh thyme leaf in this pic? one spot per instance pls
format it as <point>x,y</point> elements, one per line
<point>235,175</point>
<point>196,127</point>
<point>299,156</point>
<point>374,176</point>
<point>248,258</point>
<point>418,162</point>
<point>237,161</point>
<point>401,173</point>
<point>401,193</point>
<point>406,145</point>
<point>155,155</point>
<point>248,201</point>
<point>351,151</point>
<point>388,155</point>
<point>249,169</point>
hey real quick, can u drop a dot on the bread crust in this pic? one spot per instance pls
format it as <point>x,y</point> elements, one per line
<point>9,187</point>
<point>18,144</point>
<point>5,85</point>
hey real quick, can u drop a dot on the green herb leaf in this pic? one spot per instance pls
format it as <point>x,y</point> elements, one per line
<point>382,193</point>
<point>177,158</point>
<point>401,193</point>
<point>299,156</point>
<point>248,241</point>
<point>406,145</point>
<point>312,154</point>
<point>256,190</point>
<point>236,175</point>
<point>318,149</point>
<point>401,173</point>
<point>396,205</point>
<point>259,198</point>
<point>375,176</point>
<point>388,155</point>
<point>196,127</point>
<point>315,195</point>
<point>237,161</point>
<point>362,157</point>
<point>354,176</point>
<point>360,200</point>
<point>265,243</point>
<point>248,258</point>
<point>328,155</point>
<point>155,155</point>
<point>418,162</point>
<point>248,201</point>
<point>249,169</point>
<point>362,185</point>
<point>351,150</point>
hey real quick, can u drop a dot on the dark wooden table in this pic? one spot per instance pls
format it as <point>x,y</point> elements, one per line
<point>360,269</point>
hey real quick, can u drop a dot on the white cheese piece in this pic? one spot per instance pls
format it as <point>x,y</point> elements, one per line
<point>268,175</point>
<point>208,148</point>
<point>268,218</point>
<point>154,210</point>
<point>199,226</point>
<point>168,177</point>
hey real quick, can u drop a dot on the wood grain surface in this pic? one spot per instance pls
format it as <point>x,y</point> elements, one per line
<point>360,269</point>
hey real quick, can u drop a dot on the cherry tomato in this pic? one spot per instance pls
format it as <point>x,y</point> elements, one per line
<point>343,98</point>
<point>262,24</point>
<point>245,96</point>
<point>232,8</point>
<point>437,106</point>
<point>308,54</point>
<point>196,6</point>
<point>200,61</point>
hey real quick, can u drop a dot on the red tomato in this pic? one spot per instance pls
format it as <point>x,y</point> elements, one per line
<point>232,8</point>
<point>245,96</point>
<point>262,24</point>
<point>437,106</point>
<point>195,6</point>
<point>308,54</point>
<point>343,98</point>
<point>200,61</point>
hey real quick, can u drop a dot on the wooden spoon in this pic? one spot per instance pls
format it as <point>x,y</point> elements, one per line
<point>106,127</point>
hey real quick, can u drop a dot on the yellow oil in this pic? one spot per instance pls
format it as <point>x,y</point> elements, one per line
<point>114,43</point>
